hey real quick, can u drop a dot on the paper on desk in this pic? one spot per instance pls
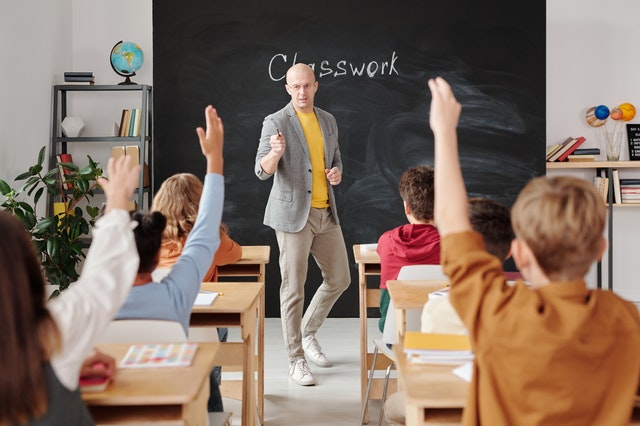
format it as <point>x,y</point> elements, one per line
<point>205,299</point>
<point>368,247</point>
<point>465,371</point>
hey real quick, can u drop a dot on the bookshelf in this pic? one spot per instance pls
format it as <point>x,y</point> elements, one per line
<point>59,142</point>
<point>597,166</point>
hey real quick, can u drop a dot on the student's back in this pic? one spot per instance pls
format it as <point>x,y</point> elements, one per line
<point>556,353</point>
<point>415,243</point>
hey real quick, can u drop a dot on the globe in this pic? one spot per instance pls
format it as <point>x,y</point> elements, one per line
<point>126,58</point>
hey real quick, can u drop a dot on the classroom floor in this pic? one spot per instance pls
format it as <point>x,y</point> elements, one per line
<point>335,400</point>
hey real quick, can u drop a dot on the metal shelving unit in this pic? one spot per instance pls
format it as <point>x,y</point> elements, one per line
<point>59,142</point>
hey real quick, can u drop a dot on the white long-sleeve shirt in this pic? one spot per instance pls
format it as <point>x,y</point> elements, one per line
<point>83,310</point>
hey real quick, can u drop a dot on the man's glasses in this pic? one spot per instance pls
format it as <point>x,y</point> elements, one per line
<point>296,87</point>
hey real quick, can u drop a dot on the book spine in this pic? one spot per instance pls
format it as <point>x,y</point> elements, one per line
<point>572,147</point>
<point>136,124</point>
<point>78,74</point>
<point>132,121</point>
<point>78,78</point>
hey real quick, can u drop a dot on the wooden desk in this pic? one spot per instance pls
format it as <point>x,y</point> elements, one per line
<point>368,264</point>
<point>251,264</point>
<point>167,396</point>
<point>433,394</point>
<point>241,304</point>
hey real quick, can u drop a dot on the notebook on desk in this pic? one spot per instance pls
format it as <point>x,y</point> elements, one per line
<point>159,355</point>
<point>205,298</point>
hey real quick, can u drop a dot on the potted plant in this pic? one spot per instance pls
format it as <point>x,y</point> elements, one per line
<point>59,238</point>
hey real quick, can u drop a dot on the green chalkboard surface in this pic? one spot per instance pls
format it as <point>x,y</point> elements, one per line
<point>372,60</point>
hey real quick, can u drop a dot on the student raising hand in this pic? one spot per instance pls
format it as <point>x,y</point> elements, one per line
<point>122,181</point>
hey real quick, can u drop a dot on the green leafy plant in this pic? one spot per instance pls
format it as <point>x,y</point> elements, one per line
<point>57,238</point>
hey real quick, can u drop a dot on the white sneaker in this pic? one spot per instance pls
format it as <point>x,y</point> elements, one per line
<point>300,373</point>
<point>313,350</point>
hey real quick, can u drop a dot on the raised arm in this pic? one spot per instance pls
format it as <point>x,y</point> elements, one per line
<point>212,140</point>
<point>451,212</point>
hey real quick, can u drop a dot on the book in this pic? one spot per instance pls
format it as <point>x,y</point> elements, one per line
<point>64,171</point>
<point>78,73</point>
<point>94,383</point>
<point>126,122</point>
<point>159,355</point>
<point>437,348</point>
<point>630,190</point>
<point>132,121</point>
<point>86,79</point>
<point>629,182</point>
<point>587,151</point>
<point>556,153</point>
<point>136,123</point>
<point>570,148</point>
<point>70,83</point>
<point>627,196</point>
<point>134,152</point>
<point>617,195</point>
<point>581,157</point>
<point>631,201</point>
<point>121,126</point>
<point>551,149</point>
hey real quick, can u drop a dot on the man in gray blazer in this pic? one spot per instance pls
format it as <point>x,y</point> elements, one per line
<point>299,148</point>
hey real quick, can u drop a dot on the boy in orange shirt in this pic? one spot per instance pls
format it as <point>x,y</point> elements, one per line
<point>556,353</point>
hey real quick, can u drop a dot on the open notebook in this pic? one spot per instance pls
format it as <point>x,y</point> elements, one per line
<point>159,355</point>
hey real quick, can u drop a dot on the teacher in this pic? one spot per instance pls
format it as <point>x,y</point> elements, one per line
<point>299,148</point>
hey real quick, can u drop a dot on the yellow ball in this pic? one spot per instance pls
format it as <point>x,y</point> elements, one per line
<point>628,111</point>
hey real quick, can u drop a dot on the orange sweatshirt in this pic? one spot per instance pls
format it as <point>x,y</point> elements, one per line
<point>228,252</point>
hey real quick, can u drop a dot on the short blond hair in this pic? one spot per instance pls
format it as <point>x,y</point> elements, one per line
<point>562,220</point>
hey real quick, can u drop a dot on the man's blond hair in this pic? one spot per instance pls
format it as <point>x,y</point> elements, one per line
<point>562,221</point>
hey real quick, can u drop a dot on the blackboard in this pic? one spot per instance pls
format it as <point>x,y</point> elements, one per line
<point>372,61</point>
<point>633,137</point>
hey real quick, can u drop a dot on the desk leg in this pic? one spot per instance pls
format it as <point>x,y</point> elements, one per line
<point>364,347</point>
<point>249,367</point>
<point>260,361</point>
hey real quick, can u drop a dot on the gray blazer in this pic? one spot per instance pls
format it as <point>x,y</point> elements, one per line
<point>290,198</point>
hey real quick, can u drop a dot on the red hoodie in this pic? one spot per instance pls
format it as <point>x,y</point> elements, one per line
<point>411,244</point>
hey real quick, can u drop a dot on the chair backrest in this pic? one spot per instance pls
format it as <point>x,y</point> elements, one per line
<point>143,331</point>
<point>411,316</point>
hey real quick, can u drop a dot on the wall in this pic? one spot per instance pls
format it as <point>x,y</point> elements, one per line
<point>589,61</point>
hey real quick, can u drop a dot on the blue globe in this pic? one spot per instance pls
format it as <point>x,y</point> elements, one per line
<point>126,58</point>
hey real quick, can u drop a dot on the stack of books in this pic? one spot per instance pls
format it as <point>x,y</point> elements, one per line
<point>630,191</point>
<point>79,77</point>
<point>435,348</point>
<point>562,150</point>
<point>584,154</point>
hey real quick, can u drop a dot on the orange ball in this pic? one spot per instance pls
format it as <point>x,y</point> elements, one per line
<point>616,113</point>
<point>628,111</point>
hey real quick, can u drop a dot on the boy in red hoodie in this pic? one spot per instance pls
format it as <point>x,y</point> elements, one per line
<point>416,243</point>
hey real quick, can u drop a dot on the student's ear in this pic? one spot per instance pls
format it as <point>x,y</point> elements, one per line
<point>509,253</point>
<point>602,248</point>
<point>520,253</point>
<point>407,210</point>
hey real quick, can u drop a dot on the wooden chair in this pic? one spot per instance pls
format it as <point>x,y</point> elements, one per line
<point>411,319</point>
<point>143,331</point>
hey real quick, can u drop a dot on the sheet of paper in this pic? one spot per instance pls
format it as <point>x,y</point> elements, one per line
<point>205,298</point>
<point>465,371</point>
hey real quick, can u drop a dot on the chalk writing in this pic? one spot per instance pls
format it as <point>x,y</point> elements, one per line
<point>279,64</point>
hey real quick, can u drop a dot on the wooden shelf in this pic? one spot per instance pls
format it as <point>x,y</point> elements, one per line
<point>593,165</point>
